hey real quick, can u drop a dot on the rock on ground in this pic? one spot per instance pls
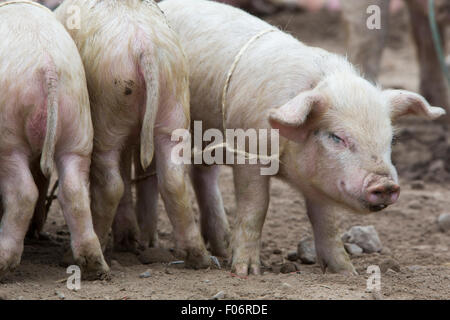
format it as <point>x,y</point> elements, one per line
<point>444,222</point>
<point>353,249</point>
<point>306,251</point>
<point>365,237</point>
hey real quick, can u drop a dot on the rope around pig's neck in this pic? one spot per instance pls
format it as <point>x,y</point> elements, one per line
<point>25,2</point>
<point>236,60</point>
<point>233,67</point>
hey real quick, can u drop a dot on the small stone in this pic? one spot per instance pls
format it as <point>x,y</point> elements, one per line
<point>218,295</point>
<point>286,285</point>
<point>444,222</point>
<point>288,268</point>
<point>276,251</point>
<point>353,249</point>
<point>417,185</point>
<point>292,256</point>
<point>306,251</point>
<point>389,264</point>
<point>154,255</point>
<point>391,272</point>
<point>60,295</point>
<point>386,251</point>
<point>145,274</point>
<point>414,268</point>
<point>365,237</point>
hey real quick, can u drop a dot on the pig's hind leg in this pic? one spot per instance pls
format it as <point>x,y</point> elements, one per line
<point>19,196</point>
<point>147,203</point>
<point>107,188</point>
<point>40,213</point>
<point>125,227</point>
<point>213,220</point>
<point>174,192</point>
<point>73,195</point>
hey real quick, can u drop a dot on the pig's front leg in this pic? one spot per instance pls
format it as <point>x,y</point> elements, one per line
<point>252,196</point>
<point>330,250</point>
<point>125,228</point>
<point>174,192</point>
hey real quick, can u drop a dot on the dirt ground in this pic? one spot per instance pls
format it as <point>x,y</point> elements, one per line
<point>408,229</point>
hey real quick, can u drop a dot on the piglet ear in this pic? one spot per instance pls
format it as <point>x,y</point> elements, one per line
<point>404,103</point>
<point>298,116</point>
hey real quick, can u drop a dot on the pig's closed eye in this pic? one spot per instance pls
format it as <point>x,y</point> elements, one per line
<point>335,138</point>
<point>394,140</point>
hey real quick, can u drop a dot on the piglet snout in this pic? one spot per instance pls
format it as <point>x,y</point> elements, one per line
<point>380,195</point>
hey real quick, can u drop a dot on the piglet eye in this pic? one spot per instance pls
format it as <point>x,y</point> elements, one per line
<point>335,138</point>
<point>394,140</point>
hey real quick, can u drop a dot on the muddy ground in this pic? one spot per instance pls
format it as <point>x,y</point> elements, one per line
<point>408,229</point>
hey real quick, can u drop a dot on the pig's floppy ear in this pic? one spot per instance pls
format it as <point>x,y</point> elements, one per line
<point>404,103</point>
<point>296,118</point>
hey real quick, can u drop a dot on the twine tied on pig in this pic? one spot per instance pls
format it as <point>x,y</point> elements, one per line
<point>25,2</point>
<point>237,58</point>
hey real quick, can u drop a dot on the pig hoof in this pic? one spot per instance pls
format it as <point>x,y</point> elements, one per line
<point>8,262</point>
<point>198,259</point>
<point>6,267</point>
<point>125,237</point>
<point>67,259</point>
<point>243,269</point>
<point>221,248</point>
<point>126,243</point>
<point>219,243</point>
<point>343,268</point>
<point>94,268</point>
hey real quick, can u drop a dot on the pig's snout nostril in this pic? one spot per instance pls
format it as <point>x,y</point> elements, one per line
<point>380,196</point>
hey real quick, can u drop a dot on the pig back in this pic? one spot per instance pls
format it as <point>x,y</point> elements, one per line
<point>112,39</point>
<point>273,69</point>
